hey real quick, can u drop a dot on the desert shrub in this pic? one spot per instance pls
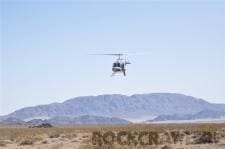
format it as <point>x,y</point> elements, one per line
<point>205,137</point>
<point>3,143</point>
<point>85,136</point>
<point>177,136</point>
<point>44,142</point>
<point>187,132</point>
<point>27,142</point>
<point>54,135</point>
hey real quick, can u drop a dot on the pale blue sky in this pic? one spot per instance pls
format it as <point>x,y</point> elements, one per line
<point>45,47</point>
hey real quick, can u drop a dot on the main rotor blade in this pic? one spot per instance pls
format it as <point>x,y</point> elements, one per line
<point>126,53</point>
<point>116,54</point>
<point>139,53</point>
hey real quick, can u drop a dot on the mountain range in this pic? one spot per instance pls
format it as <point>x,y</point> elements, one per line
<point>119,106</point>
<point>205,114</point>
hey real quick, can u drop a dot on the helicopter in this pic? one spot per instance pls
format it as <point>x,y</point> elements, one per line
<point>119,65</point>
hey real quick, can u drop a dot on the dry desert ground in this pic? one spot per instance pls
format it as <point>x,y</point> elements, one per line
<point>132,136</point>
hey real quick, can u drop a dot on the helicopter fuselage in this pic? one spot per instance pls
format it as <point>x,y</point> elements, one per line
<point>119,66</point>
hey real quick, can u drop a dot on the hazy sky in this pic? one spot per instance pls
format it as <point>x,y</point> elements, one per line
<point>45,49</point>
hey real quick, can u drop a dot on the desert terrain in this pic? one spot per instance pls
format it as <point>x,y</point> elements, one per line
<point>165,136</point>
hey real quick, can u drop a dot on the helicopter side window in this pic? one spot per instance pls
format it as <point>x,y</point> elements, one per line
<point>114,64</point>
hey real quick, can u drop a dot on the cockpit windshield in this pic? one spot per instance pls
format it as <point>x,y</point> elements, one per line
<point>116,64</point>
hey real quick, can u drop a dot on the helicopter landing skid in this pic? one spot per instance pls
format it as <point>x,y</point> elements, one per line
<point>117,73</point>
<point>113,74</point>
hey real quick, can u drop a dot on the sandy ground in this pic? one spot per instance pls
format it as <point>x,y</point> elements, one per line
<point>81,138</point>
<point>51,143</point>
<point>79,144</point>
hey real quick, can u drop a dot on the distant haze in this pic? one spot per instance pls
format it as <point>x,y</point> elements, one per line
<point>46,47</point>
